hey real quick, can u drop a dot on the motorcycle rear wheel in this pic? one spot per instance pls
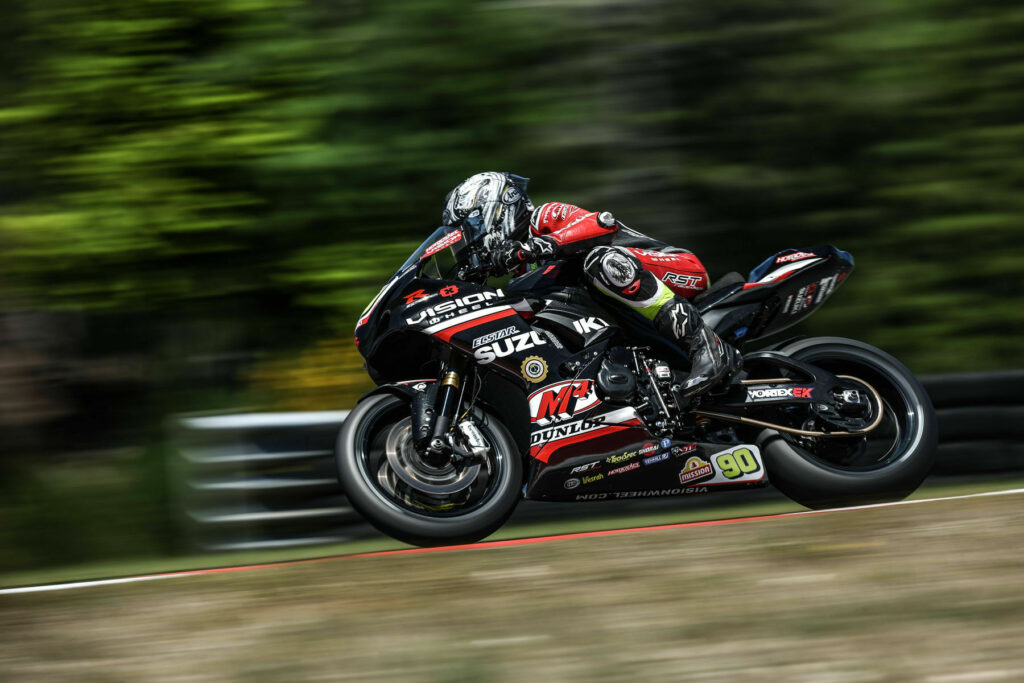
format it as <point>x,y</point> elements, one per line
<point>884,465</point>
<point>408,499</point>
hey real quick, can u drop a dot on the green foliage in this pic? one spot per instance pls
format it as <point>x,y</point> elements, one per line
<point>227,165</point>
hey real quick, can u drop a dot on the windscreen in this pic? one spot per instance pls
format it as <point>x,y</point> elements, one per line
<point>440,254</point>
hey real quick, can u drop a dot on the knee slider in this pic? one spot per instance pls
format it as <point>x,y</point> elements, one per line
<point>613,266</point>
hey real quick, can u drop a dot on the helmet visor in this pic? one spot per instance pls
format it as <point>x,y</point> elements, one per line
<point>483,220</point>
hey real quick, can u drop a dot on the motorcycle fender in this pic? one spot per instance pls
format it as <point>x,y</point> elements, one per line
<point>400,389</point>
<point>422,394</point>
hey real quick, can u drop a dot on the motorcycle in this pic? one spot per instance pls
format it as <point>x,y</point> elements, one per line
<point>486,395</point>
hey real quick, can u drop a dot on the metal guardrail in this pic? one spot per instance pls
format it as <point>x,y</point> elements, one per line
<point>264,480</point>
<point>981,421</point>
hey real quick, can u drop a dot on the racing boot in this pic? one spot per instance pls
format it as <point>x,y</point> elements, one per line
<point>712,361</point>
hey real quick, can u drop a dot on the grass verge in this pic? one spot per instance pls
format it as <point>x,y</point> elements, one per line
<point>154,565</point>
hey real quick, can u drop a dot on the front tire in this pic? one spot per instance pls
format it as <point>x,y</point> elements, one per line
<point>424,517</point>
<point>886,464</point>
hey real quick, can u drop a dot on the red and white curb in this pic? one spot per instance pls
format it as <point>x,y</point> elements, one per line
<point>484,545</point>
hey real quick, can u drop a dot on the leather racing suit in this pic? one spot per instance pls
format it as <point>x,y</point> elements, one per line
<point>648,276</point>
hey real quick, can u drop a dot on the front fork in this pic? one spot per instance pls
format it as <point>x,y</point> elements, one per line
<point>449,397</point>
<point>433,414</point>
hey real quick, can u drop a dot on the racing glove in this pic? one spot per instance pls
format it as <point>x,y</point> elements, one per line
<point>512,254</point>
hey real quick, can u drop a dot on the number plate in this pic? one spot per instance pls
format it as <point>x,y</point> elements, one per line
<point>737,465</point>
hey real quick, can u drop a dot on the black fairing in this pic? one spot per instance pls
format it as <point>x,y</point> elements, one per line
<point>549,358</point>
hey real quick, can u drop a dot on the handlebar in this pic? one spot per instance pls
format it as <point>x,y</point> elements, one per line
<point>479,267</point>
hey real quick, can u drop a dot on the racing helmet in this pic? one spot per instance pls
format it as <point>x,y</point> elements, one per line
<point>491,206</point>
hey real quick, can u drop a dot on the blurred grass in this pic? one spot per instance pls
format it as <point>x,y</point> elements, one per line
<point>610,520</point>
<point>930,592</point>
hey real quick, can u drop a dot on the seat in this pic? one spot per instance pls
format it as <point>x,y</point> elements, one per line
<point>723,287</point>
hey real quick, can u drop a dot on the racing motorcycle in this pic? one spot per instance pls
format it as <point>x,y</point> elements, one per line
<point>535,389</point>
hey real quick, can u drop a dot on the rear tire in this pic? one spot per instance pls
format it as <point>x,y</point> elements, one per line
<point>359,473</point>
<point>816,481</point>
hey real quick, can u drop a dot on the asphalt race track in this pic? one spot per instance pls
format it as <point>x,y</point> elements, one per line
<point>489,544</point>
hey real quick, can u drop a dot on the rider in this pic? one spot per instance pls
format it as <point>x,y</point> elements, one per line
<point>630,268</point>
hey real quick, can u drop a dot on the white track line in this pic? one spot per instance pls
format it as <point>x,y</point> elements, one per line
<point>201,572</point>
<point>1006,492</point>
<point>86,584</point>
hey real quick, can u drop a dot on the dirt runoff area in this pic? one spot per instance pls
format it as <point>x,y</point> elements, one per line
<point>929,592</point>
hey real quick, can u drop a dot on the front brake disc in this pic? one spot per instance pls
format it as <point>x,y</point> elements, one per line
<point>409,467</point>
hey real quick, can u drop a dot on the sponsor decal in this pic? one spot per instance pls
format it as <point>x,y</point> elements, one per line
<point>660,457</point>
<point>563,431</point>
<point>826,287</point>
<point>654,256</point>
<point>561,402</point>
<point>415,296</point>
<point>648,448</point>
<point>737,462</point>
<point>621,457</point>
<point>591,478</point>
<point>571,483</point>
<point>666,442</point>
<point>553,211</point>
<point>449,291</point>
<point>695,471</point>
<point>585,468</point>
<point>755,395</point>
<point>546,440</point>
<point>443,243</point>
<point>495,336</point>
<point>689,490</point>
<point>786,270</point>
<point>801,301</point>
<point>798,256</point>
<point>592,496</point>
<point>588,325</point>
<point>534,368</point>
<point>683,281</point>
<point>511,195</point>
<point>488,353</point>
<point>625,468</point>
<point>449,309</point>
<point>680,451</point>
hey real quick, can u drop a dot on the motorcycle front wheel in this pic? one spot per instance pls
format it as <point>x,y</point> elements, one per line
<point>401,494</point>
<point>886,464</point>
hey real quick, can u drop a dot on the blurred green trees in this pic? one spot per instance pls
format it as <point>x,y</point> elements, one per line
<point>233,179</point>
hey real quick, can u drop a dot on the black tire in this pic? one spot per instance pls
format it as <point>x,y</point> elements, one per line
<point>378,414</point>
<point>815,481</point>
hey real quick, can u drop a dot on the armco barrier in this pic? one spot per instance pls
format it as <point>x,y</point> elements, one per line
<point>981,421</point>
<point>261,480</point>
<point>268,480</point>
